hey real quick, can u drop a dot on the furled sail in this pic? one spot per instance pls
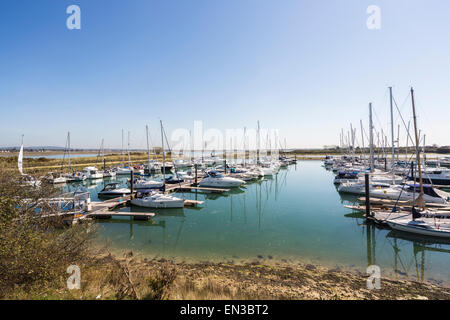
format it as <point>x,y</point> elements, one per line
<point>20,160</point>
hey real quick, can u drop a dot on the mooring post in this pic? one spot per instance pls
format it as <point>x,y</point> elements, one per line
<point>195,166</point>
<point>131,183</point>
<point>366,180</point>
<point>385,164</point>
<point>225,165</point>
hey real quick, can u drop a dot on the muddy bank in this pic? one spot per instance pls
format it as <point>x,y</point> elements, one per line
<point>260,280</point>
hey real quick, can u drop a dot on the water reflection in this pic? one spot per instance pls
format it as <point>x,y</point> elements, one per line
<point>408,254</point>
<point>298,214</point>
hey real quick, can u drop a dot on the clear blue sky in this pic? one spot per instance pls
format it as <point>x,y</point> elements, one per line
<point>305,67</point>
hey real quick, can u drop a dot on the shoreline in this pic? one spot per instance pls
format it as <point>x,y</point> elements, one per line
<point>260,280</point>
<point>273,261</point>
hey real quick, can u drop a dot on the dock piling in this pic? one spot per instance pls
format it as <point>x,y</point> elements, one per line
<point>366,180</point>
<point>195,166</point>
<point>131,184</point>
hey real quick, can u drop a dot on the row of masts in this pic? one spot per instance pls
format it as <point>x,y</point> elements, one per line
<point>348,142</point>
<point>351,136</point>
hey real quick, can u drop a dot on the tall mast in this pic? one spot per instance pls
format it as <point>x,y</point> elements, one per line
<point>192,146</point>
<point>371,137</point>
<point>68,147</point>
<point>352,142</point>
<point>102,150</point>
<point>123,155</point>
<point>420,200</point>
<point>348,142</point>
<point>148,147</point>
<point>257,145</point>
<point>164,156</point>
<point>407,140</point>
<point>245,152</point>
<point>392,129</point>
<point>128,149</point>
<point>362,141</point>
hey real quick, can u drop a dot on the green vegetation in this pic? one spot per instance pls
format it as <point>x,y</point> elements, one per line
<point>34,252</point>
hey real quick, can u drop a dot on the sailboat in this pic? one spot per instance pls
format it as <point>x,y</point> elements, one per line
<point>107,173</point>
<point>153,199</point>
<point>25,179</point>
<point>55,177</point>
<point>418,224</point>
<point>122,170</point>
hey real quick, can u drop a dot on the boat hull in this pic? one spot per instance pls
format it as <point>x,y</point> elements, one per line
<point>158,204</point>
<point>419,230</point>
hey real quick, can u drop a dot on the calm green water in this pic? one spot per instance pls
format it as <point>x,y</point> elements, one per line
<point>296,216</point>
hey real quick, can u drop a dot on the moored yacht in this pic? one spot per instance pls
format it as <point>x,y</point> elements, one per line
<point>146,184</point>
<point>429,227</point>
<point>109,173</point>
<point>438,176</point>
<point>54,178</point>
<point>123,171</point>
<point>113,189</point>
<point>360,187</point>
<point>92,173</point>
<point>152,199</point>
<point>411,192</point>
<point>217,180</point>
<point>75,177</point>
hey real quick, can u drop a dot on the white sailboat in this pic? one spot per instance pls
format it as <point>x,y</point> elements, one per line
<point>153,199</point>
<point>25,179</point>
<point>59,178</point>
<point>419,225</point>
<point>123,170</point>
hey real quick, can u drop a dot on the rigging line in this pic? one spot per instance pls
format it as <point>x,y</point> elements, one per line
<point>394,209</point>
<point>404,124</point>
<point>378,119</point>
<point>423,114</point>
<point>403,104</point>
<point>175,168</point>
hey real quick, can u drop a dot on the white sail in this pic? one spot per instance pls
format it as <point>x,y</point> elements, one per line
<point>20,160</point>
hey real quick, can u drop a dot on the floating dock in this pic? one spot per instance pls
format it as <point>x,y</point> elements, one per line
<point>110,214</point>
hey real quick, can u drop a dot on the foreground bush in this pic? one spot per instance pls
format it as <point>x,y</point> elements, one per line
<point>35,251</point>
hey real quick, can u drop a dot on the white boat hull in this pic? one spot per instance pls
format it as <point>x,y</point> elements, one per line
<point>405,227</point>
<point>221,182</point>
<point>164,204</point>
